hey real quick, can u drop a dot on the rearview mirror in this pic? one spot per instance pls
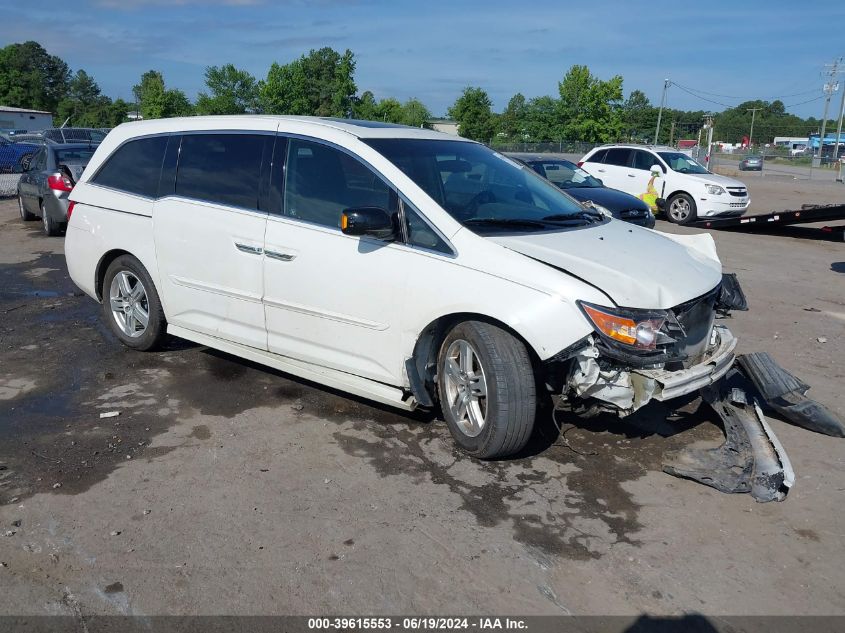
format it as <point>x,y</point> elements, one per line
<point>368,221</point>
<point>25,162</point>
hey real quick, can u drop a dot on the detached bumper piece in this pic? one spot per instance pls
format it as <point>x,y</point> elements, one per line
<point>751,460</point>
<point>785,394</point>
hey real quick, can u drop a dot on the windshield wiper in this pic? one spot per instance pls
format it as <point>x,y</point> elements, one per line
<point>509,222</point>
<point>575,218</point>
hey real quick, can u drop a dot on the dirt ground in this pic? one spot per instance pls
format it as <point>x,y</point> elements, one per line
<point>227,488</point>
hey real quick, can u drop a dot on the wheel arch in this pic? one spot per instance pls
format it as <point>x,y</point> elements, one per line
<point>103,266</point>
<point>424,358</point>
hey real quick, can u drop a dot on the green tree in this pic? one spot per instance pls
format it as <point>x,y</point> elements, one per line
<point>414,113</point>
<point>364,107</point>
<point>149,95</point>
<point>155,101</point>
<point>230,91</point>
<point>542,119</point>
<point>32,78</point>
<point>639,116</point>
<point>389,110</point>
<point>474,115</point>
<point>514,120</point>
<point>590,107</point>
<point>176,103</point>
<point>83,105</point>
<point>319,84</point>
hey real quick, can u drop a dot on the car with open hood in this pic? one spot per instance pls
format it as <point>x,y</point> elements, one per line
<point>403,265</point>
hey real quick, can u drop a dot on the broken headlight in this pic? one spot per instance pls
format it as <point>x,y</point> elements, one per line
<point>637,329</point>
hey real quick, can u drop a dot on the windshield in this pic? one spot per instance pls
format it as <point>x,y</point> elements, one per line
<point>564,174</point>
<point>75,156</point>
<point>682,163</point>
<point>481,188</point>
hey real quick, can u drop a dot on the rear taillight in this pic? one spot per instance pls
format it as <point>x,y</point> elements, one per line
<point>58,182</point>
<point>70,208</point>
<point>580,163</point>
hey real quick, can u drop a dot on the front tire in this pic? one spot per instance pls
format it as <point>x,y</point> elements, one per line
<point>487,389</point>
<point>51,227</point>
<point>680,209</point>
<point>131,305</point>
<point>26,216</point>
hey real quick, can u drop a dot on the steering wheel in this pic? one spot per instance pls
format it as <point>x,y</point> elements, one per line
<point>482,197</point>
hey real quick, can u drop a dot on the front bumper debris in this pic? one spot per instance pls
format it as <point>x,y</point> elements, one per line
<point>624,391</point>
<point>785,394</point>
<point>750,460</point>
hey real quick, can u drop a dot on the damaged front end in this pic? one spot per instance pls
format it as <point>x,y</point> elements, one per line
<point>637,356</point>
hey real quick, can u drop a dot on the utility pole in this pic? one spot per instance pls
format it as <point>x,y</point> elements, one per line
<point>829,89</point>
<point>753,111</point>
<point>708,125</point>
<point>666,84</point>
<point>672,132</point>
<point>839,126</point>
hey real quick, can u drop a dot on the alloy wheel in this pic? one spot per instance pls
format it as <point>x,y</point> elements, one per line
<point>466,387</point>
<point>129,304</point>
<point>680,209</point>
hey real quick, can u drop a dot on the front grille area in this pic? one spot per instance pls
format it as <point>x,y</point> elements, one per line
<point>693,324</point>
<point>738,191</point>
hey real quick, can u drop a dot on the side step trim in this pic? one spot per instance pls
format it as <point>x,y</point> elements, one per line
<point>333,378</point>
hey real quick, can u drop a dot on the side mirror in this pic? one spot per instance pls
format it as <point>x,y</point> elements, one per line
<point>657,168</point>
<point>368,221</point>
<point>600,181</point>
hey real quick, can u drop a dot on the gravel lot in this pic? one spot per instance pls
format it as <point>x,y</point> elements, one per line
<point>224,487</point>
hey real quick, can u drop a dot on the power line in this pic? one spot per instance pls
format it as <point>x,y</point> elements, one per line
<point>715,94</point>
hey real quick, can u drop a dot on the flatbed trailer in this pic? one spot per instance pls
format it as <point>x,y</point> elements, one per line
<point>808,213</point>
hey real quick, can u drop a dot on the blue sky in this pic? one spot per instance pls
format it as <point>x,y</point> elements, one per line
<point>432,49</point>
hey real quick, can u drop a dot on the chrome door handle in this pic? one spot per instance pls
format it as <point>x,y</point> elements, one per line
<point>246,248</point>
<point>602,170</point>
<point>282,257</point>
<point>632,176</point>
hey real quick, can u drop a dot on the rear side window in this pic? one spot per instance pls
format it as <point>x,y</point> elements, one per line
<point>618,156</point>
<point>135,167</point>
<point>598,157</point>
<point>222,168</point>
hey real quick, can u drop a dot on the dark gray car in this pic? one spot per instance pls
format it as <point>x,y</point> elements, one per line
<point>47,181</point>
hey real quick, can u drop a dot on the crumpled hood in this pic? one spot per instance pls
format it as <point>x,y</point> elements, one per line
<point>636,267</point>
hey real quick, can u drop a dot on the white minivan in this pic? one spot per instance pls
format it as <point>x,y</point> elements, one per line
<point>404,265</point>
<point>664,176</point>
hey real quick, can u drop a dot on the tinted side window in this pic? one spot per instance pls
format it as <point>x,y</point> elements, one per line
<point>598,157</point>
<point>322,181</point>
<point>222,168</point>
<point>644,160</point>
<point>134,167</point>
<point>618,156</point>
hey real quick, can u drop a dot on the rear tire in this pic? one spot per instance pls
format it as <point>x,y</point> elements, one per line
<point>487,389</point>
<point>51,227</point>
<point>131,305</point>
<point>26,216</point>
<point>680,209</point>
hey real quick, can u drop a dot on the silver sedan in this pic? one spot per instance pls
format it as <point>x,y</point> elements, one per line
<point>47,181</point>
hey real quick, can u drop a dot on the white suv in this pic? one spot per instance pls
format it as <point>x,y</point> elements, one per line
<point>665,177</point>
<point>400,264</point>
